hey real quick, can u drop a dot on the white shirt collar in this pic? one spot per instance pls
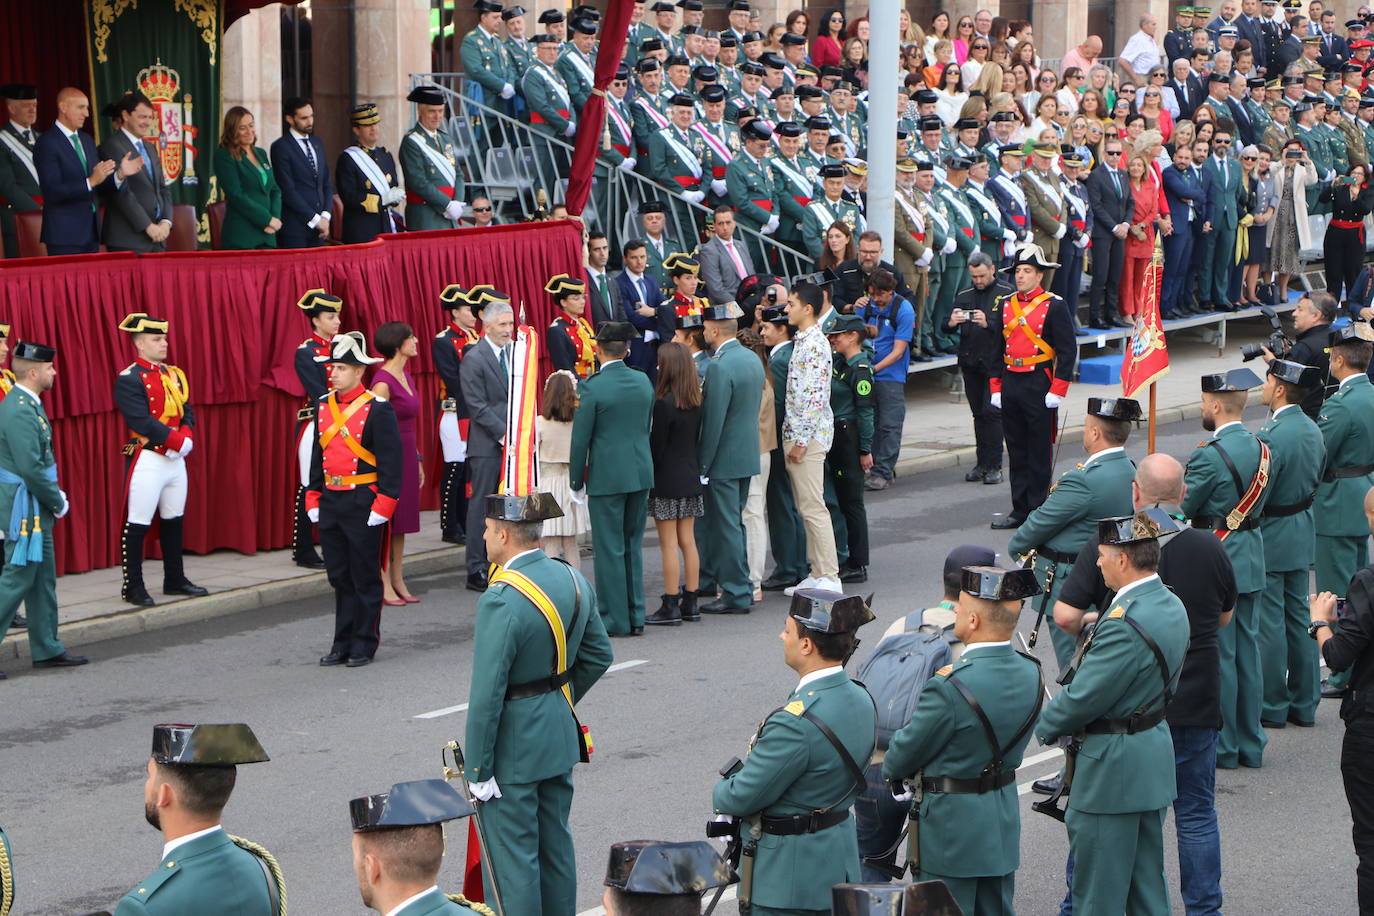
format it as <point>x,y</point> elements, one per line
<point>986,645</point>
<point>594,272</point>
<point>298,136</point>
<point>1218,430</point>
<point>507,564</point>
<point>609,361</point>
<point>634,276</point>
<point>1152,577</point>
<point>1282,409</point>
<point>1104,453</point>
<point>773,349</point>
<point>497,350</point>
<point>67,131</point>
<point>135,140</point>
<point>33,394</point>
<point>818,674</point>
<point>180,841</point>
<point>1353,375</point>
<point>409,900</point>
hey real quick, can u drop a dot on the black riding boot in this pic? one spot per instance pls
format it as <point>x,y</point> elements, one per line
<point>174,581</point>
<point>131,557</point>
<point>303,537</point>
<point>452,502</point>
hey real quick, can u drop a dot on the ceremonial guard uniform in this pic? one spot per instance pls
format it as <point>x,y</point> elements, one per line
<point>1037,365</point>
<point>676,157</point>
<point>609,460</point>
<point>722,143</point>
<point>991,233</point>
<point>355,479</point>
<point>961,750</point>
<point>523,737</point>
<point>649,113</point>
<point>1177,41</point>
<point>155,401</point>
<point>786,535</point>
<point>852,402</point>
<point>1011,199</point>
<point>434,180</point>
<point>930,230</point>
<point>678,264</point>
<point>487,63</point>
<point>1297,455</point>
<point>550,104</point>
<point>577,69</point>
<point>310,373</point>
<point>1347,424</point>
<point>796,188</point>
<point>447,349</point>
<point>19,190</point>
<point>794,791</point>
<point>518,50</point>
<point>1228,478</point>
<point>963,229</point>
<point>1121,757</point>
<point>211,872</point>
<point>1049,211</point>
<point>753,191</point>
<point>823,212</point>
<point>365,179</point>
<point>1058,528</point>
<point>570,336</point>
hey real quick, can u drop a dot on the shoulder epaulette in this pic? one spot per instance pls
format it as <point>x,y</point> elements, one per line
<point>796,707</point>
<point>1118,611</point>
<point>944,672</point>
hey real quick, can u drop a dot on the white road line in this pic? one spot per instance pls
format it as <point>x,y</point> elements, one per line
<point>1043,755</point>
<point>462,707</point>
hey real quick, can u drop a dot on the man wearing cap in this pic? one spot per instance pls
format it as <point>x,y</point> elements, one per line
<point>577,61</point>
<point>1049,211</point>
<point>828,209</point>
<point>429,158</point>
<point>322,309</point>
<point>554,23</point>
<point>154,398</point>
<point>803,772</point>
<point>355,479</point>
<point>752,189</point>
<point>19,191</point>
<point>654,878</point>
<point>923,214</point>
<point>684,272</point>
<point>618,143</point>
<point>203,869</point>
<point>1068,279</point>
<point>1037,364</point>
<point>1010,195</point>
<point>1178,39</point>
<point>447,349</point>
<point>963,230</point>
<point>550,105</point>
<point>908,230</point>
<point>722,140</point>
<point>523,737</point>
<point>965,741</point>
<point>485,57</point>
<point>30,504</point>
<point>649,112</point>
<point>1113,707</point>
<point>1228,478</point>
<point>518,49</point>
<point>852,401</point>
<point>1347,425</point>
<point>676,157</point>
<point>365,177</point>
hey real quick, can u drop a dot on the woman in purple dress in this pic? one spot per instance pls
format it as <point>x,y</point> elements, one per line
<point>397,344</point>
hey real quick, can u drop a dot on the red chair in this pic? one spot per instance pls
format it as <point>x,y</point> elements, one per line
<point>216,212</point>
<point>183,236</point>
<point>28,228</point>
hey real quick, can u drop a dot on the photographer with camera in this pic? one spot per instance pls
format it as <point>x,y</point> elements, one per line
<point>978,317</point>
<point>1312,324</point>
<point>1343,246</point>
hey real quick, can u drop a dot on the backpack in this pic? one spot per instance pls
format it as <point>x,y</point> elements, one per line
<point>897,671</point>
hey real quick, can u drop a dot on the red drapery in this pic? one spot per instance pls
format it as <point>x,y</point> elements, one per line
<point>235,328</point>
<point>591,120</point>
<point>43,43</point>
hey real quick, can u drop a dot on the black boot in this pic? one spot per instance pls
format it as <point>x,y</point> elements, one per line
<point>452,507</point>
<point>131,556</point>
<point>303,537</point>
<point>174,581</point>
<point>687,601</point>
<point>667,614</point>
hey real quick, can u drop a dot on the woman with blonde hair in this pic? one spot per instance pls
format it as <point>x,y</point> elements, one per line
<point>989,81</point>
<point>1184,133</point>
<point>1140,237</point>
<point>1100,79</point>
<point>1157,117</point>
<point>911,33</point>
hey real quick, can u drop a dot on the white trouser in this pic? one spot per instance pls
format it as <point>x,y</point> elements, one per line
<point>454,445</point>
<point>156,482</point>
<point>305,449</point>
<point>756,522</point>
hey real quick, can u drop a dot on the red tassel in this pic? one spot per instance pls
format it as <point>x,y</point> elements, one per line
<point>472,870</point>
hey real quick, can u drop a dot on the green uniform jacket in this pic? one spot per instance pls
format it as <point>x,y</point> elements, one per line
<point>789,189</point>
<point>435,903</point>
<point>793,769</point>
<point>1120,774</point>
<point>645,126</point>
<point>777,364</point>
<point>209,875</point>
<point>907,249</point>
<point>17,184</point>
<point>610,435</point>
<point>1211,491</point>
<point>533,738</point>
<point>1067,519</point>
<point>1047,217</point>
<point>550,105</point>
<point>748,180</point>
<point>821,214</point>
<point>851,395</point>
<point>486,60</point>
<point>1347,424</point>
<point>991,232</point>
<point>423,179</point>
<point>1340,153</point>
<point>728,444</point>
<point>728,135</point>
<point>26,451</point>
<point>963,225</point>
<point>579,86</point>
<point>667,163</point>
<point>1353,135</point>
<point>969,836</point>
<point>520,54</point>
<point>655,267</point>
<point>1297,456</point>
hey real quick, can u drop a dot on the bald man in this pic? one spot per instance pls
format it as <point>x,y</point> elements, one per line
<point>72,176</point>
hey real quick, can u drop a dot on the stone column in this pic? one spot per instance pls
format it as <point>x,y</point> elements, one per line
<point>250,70</point>
<point>1059,25</point>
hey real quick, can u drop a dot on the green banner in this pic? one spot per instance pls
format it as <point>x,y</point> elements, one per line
<point>170,51</point>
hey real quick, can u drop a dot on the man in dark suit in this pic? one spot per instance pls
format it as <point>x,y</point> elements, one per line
<point>485,381</point>
<point>1248,24</point>
<point>369,184</point>
<point>138,216</point>
<point>1187,198</point>
<point>1333,47</point>
<point>18,177</point>
<point>71,175</point>
<point>1244,123</point>
<point>724,261</point>
<point>1109,197</point>
<point>602,289</point>
<point>641,304</point>
<point>1185,88</point>
<point>307,196</point>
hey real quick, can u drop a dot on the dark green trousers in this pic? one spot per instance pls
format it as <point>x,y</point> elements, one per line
<point>980,896</point>
<point>844,495</point>
<point>1118,862</point>
<point>34,585</point>
<point>956,267</point>
<point>1288,656</point>
<point>726,554</point>
<point>786,536</point>
<point>531,847</point>
<point>617,537</point>
<point>1242,739</point>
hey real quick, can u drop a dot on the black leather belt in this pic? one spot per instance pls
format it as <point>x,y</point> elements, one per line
<point>1285,511</point>
<point>1057,556</point>
<point>1358,470</point>
<point>798,824</point>
<point>1218,523</point>
<point>540,687</point>
<point>1128,726</point>
<point>988,782</point>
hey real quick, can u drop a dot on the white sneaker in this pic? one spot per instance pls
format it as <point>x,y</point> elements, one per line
<point>808,582</point>
<point>832,585</point>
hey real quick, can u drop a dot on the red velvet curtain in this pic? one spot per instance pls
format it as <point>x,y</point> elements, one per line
<point>235,328</point>
<point>591,120</point>
<point>42,43</point>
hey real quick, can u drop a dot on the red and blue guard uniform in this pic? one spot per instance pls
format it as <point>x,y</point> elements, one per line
<point>687,305</point>
<point>1038,355</point>
<point>447,350</point>
<point>314,380</point>
<point>572,345</point>
<point>355,470</point>
<point>6,382</point>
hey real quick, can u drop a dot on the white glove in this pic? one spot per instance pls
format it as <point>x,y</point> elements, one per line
<point>705,481</point>
<point>485,791</point>
<point>1008,235</point>
<point>454,210</point>
<point>373,520</point>
<point>1063,228</point>
<point>718,187</point>
<point>313,515</point>
<point>925,259</point>
<point>579,497</point>
<point>507,90</point>
<point>627,164</point>
<point>996,400</point>
<point>950,244</point>
<point>773,222</point>
<point>1082,242</point>
<point>1051,400</point>
<point>1330,174</point>
<point>395,197</point>
<point>904,797</point>
<point>186,447</point>
<point>570,129</point>
<point>66,506</point>
<point>693,197</point>
<point>767,228</point>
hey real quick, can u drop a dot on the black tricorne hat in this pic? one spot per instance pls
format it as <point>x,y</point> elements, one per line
<point>34,352</point>
<point>315,301</point>
<point>224,745</point>
<point>824,611</point>
<point>1145,525</point>
<point>664,869</point>
<point>1114,408</point>
<point>867,899</point>
<point>1295,373</point>
<point>426,95</point>
<point>1231,380</point>
<point>349,348</point>
<point>993,583</point>
<point>534,507</point>
<point>616,330</point>
<point>409,804</point>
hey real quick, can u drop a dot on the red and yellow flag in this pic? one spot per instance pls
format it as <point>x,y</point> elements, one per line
<point>1147,358</point>
<point>520,475</point>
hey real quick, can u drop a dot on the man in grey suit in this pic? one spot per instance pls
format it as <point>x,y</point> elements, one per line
<point>605,298</point>
<point>724,262</point>
<point>138,214</point>
<point>485,376</point>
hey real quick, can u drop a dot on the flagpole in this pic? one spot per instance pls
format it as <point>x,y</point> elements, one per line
<point>1152,419</point>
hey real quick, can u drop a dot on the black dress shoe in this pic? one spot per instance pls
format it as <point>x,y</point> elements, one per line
<point>358,661</point>
<point>853,573</point>
<point>636,631</point>
<point>975,474</point>
<point>1047,786</point>
<point>65,660</point>
<point>921,356</point>
<point>720,607</point>
<point>993,476</point>
<point>1005,522</point>
<point>1270,723</point>
<point>1121,321</point>
<point>332,659</point>
<point>777,583</point>
<point>1301,723</point>
<point>139,597</point>
<point>476,582</point>
<point>1333,693</point>
<point>20,622</point>
<point>4,676</point>
<point>309,562</point>
<point>184,587</point>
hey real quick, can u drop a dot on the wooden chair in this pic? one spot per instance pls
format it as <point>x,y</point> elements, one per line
<point>336,219</point>
<point>183,237</point>
<point>216,212</point>
<point>29,231</point>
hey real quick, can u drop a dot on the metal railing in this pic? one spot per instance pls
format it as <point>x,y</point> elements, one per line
<point>509,162</point>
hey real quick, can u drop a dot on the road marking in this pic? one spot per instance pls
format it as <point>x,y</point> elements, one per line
<point>462,707</point>
<point>1043,755</point>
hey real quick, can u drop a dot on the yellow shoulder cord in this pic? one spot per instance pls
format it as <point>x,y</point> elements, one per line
<point>6,882</point>
<point>271,862</point>
<point>471,904</point>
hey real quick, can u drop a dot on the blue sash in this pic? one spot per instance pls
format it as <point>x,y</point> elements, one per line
<point>28,541</point>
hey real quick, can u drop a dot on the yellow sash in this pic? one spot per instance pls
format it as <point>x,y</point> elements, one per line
<point>1019,314</point>
<point>537,597</point>
<point>339,426</point>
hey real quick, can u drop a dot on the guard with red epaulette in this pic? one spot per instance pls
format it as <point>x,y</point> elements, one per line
<point>447,348</point>
<point>322,308</point>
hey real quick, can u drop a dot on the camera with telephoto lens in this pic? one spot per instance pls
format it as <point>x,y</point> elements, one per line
<point>1277,342</point>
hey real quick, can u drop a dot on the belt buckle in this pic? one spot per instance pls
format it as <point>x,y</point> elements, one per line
<point>1234,518</point>
<point>1018,362</point>
<point>334,480</point>
<point>449,404</point>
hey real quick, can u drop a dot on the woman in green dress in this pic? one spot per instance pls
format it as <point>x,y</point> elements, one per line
<point>245,179</point>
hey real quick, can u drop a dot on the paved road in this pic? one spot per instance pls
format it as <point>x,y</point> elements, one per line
<point>74,743</point>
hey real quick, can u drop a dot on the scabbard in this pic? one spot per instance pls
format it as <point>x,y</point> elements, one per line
<point>748,850</point>
<point>913,840</point>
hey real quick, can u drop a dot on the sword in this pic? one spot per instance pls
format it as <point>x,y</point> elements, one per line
<point>458,772</point>
<point>1027,647</point>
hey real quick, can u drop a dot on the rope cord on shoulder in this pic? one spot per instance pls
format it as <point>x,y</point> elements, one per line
<point>6,881</point>
<point>271,862</point>
<point>471,904</point>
